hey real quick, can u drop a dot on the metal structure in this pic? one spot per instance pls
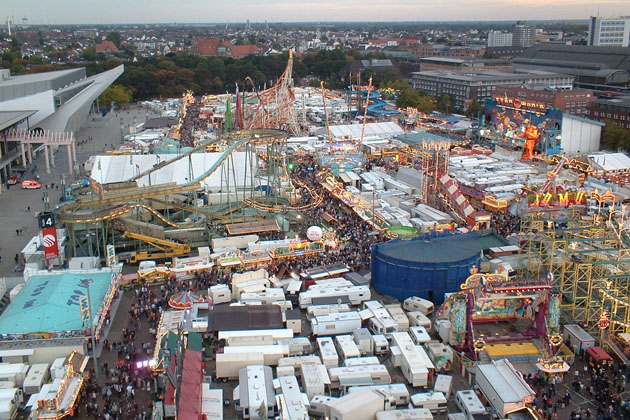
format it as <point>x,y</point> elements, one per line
<point>589,259</point>
<point>274,107</point>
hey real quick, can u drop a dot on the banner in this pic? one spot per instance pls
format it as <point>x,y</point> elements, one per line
<point>49,240</point>
<point>111,255</point>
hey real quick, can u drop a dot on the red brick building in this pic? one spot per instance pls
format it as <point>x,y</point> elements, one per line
<point>611,111</point>
<point>574,102</point>
<point>214,46</point>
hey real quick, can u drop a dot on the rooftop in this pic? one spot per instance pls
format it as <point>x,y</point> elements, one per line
<point>51,302</point>
<point>443,249</point>
<point>489,75</point>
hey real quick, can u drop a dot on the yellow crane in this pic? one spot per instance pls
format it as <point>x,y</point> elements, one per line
<point>163,248</point>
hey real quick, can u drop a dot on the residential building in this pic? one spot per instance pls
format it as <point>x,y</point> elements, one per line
<point>573,102</point>
<point>609,32</point>
<point>106,47</point>
<point>611,111</point>
<point>499,39</point>
<point>464,86</point>
<point>596,68</point>
<point>523,35</point>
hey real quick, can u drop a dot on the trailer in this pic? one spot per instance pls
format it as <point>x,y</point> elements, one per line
<point>420,319</point>
<point>297,361</point>
<point>362,405</point>
<point>469,403</point>
<point>285,371</point>
<point>441,355</point>
<point>10,401</point>
<point>379,320</point>
<point>332,282</point>
<point>381,345</point>
<point>341,377</point>
<point>346,347</point>
<point>443,384</point>
<point>399,316</point>
<point>398,392</point>
<point>434,401</point>
<point>319,310</point>
<point>578,339</point>
<point>275,334</point>
<point>296,346</point>
<point>314,379</point>
<point>415,303</point>
<point>229,364</point>
<point>267,297</point>
<point>220,293</point>
<point>363,340</point>
<point>503,387</point>
<point>419,335</point>
<point>413,365</point>
<point>361,361</point>
<point>327,351</point>
<point>13,372</point>
<point>339,323</point>
<point>57,369</point>
<point>37,375</point>
<point>405,414</point>
<point>354,295</point>
<point>319,404</point>
<point>293,403</point>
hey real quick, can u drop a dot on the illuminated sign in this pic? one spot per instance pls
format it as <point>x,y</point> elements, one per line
<point>517,104</point>
<point>562,199</point>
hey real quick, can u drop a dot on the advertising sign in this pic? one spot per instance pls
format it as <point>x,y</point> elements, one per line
<point>111,255</point>
<point>49,240</point>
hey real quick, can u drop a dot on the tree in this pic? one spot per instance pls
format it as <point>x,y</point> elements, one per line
<point>116,93</point>
<point>89,54</point>
<point>445,104</point>
<point>114,37</point>
<point>412,98</point>
<point>474,110</point>
<point>615,137</point>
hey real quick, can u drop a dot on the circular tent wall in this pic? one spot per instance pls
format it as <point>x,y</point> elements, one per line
<point>426,267</point>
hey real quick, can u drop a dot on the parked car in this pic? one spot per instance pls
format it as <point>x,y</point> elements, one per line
<point>13,179</point>
<point>30,185</point>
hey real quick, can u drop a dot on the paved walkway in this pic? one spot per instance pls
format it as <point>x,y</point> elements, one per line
<point>14,202</point>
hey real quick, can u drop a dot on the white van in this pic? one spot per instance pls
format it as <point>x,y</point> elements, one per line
<point>415,303</point>
<point>434,401</point>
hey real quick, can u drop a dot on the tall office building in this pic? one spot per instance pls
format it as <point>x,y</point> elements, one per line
<point>499,39</point>
<point>609,32</point>
<point>524,35</point>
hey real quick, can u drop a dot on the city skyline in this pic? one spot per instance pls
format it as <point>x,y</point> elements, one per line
<point>203,11</point>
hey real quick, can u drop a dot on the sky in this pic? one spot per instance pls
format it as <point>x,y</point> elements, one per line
<point>209,11</point>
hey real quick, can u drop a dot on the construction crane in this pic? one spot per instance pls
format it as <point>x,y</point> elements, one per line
<point>163,248</point>
<point>326,114</point>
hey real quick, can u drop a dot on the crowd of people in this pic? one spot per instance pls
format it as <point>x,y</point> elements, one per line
<point>506,224</point>
<point>191,123</point>
<point>603,385</point>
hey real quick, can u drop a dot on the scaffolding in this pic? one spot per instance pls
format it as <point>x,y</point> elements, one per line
<point>589,261</point>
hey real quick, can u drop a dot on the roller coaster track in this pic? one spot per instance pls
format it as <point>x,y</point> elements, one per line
<point>279,208</point>
<point>71,213</point>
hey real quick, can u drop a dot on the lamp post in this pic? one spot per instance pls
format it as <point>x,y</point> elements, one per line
<point>373,194</point>
<point>299,219</point>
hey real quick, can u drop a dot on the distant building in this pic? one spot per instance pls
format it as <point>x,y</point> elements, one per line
<point>214,47</point>
<point>504,52</point>
<point>106,47</point>
<point>499,39</point>
<point>573,102</point>
<point>611,111</point>
<point>457,63</point>
<point>609,32</point>
<point>465,85</point>
<point>357,67</point>
<point>523,35</point>
<point>597,68</point>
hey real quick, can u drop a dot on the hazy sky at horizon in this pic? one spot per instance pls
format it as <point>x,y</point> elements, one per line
<point>201,11</point>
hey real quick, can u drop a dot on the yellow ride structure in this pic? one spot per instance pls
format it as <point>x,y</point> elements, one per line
<point>161,248</point>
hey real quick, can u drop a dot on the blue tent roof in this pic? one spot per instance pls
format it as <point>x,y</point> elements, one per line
<point>50,302</point>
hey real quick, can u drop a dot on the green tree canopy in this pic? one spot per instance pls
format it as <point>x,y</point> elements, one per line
<point>116,93</point>
<point>114,37</point>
